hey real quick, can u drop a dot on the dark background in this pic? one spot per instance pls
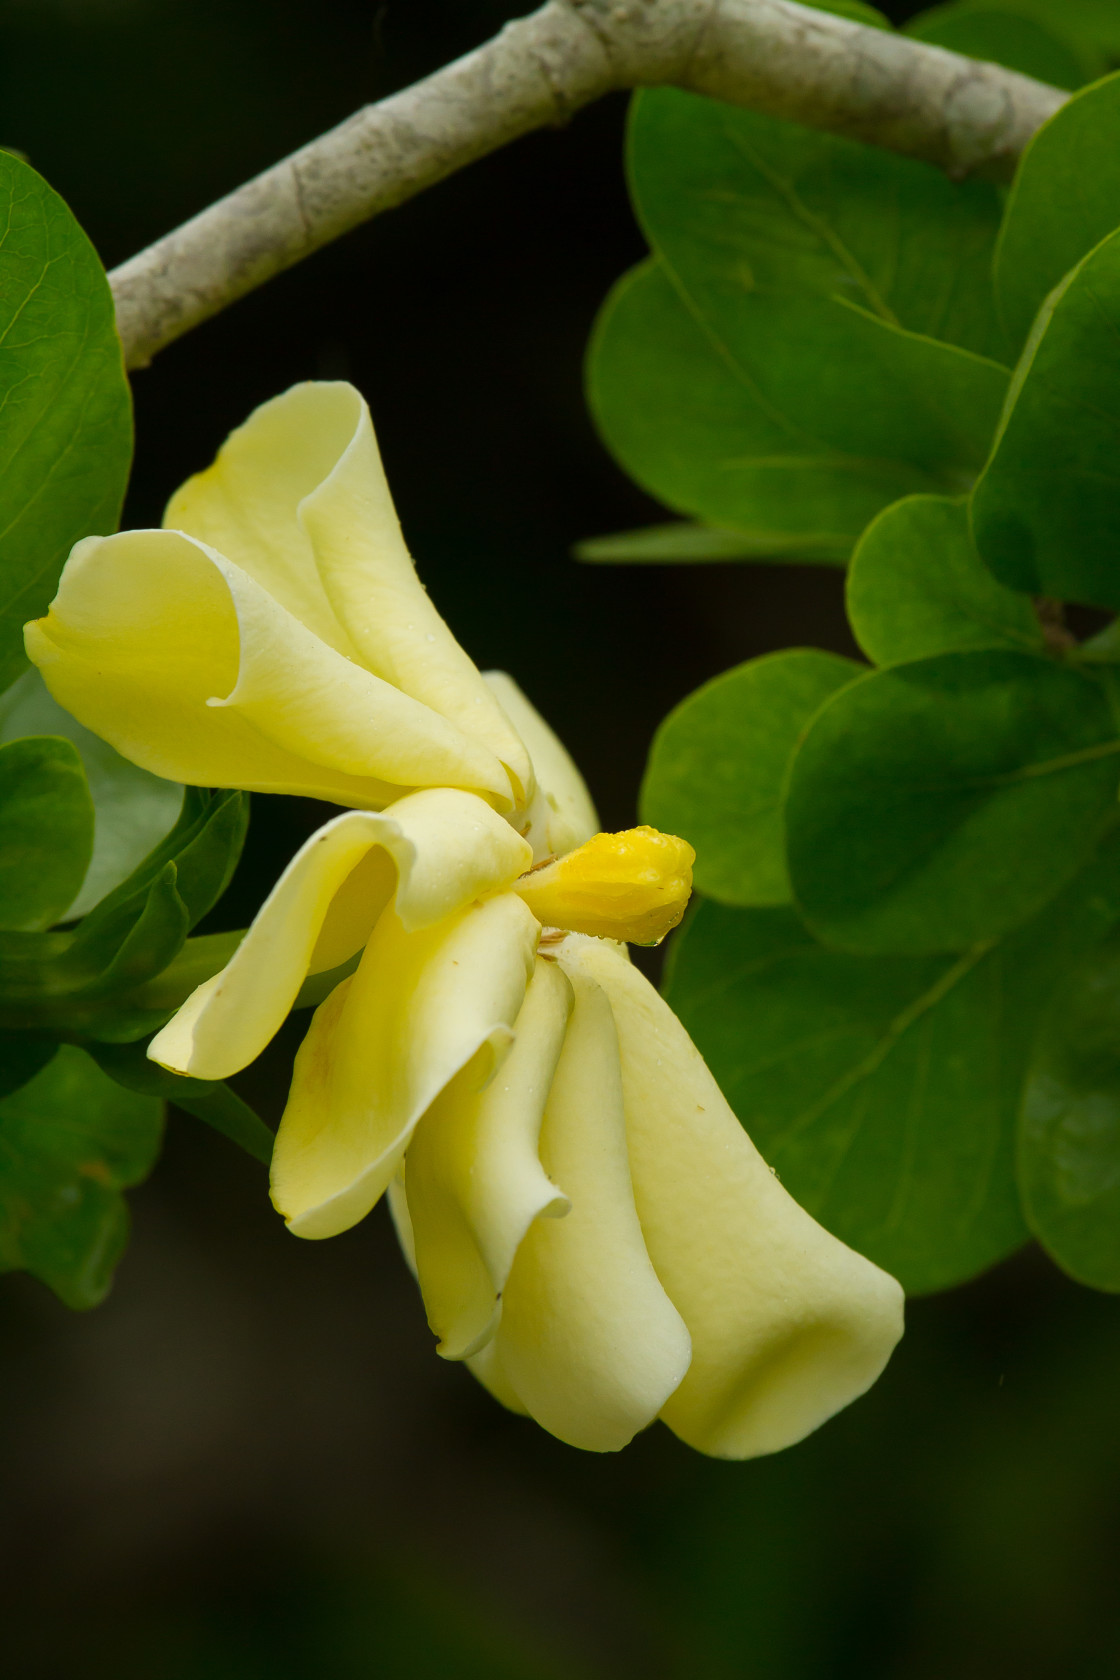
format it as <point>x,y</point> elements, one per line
<point>249,1462</point>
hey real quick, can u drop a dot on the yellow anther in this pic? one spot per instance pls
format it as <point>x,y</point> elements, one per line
<point>632,886</point>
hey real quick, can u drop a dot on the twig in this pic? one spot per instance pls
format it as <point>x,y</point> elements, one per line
<point>772,55</point>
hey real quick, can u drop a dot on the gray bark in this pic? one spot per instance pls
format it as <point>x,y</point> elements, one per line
<point>771,55</point>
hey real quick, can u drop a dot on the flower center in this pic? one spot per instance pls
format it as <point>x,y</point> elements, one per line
<point>631,886</point>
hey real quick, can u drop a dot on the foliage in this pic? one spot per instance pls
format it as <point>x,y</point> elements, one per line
<point>904,972</point>
<point>904,968</point>
<point>70,1141</point>
<point>66,418</point>
<point>126,861</point>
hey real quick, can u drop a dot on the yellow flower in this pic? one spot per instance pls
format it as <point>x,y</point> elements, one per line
<point>591,1227</point>
<point>589,1223</point>
<point>278,638</point>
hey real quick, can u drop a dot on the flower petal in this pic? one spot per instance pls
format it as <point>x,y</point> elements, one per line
<point>485,1364</point>
<point>188,667</point>
<point>383,1046</point>
<point>297,497</point>
<point>437,849</point>
<point>562,815</point>
<point>245,505</point>
<point>588,1339</point>
<point>473,1176</point>
<point>788,1325</point>
<point>372,585</point>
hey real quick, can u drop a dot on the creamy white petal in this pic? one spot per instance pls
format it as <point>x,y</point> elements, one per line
<point>397,1198</point>
<point>301,693</point>
<point>484,1364</point>
<point>141,635</point>
<point>246,504</point>
<point>562,815</point>
<point>297,497</point>
<point>487,1366</point>
<point>188,667</point>
<point>386,1042</point>
<point>788,1324</point>
<point>437,850</point>
<point>588,1339</point>
<point>473,1175</point>
<point>372,585</point>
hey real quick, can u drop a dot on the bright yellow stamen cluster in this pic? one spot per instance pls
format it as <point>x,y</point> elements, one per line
<point>631,886</point>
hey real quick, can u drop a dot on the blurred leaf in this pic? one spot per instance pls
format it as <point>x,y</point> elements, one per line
<point>207,1099</point>
<point>65,419</point>
<point>1104,647</point>
<point>318,987</point>
<point>1094,25</point>
<point>918,587</point>
<point>32,966</point>
<point>70,1141</point>
<point>718,763</point>
<point>133,810</point>
<point>21,1058</point>
<point>1046,511</point>
<point>855,10</point>
<point>1007,35</point>
<point>684,541</point>
<point>1065,200</point>
<point>1069,1154</point>
<point>885,1090</point>
<point>46,831</point>
<point>936,804</point>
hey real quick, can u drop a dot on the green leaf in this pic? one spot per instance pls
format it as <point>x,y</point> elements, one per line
<point>876,1087</point>
<point>70,1141</point>
<point>198,960</point>
<point>940,803</point>
<point>718,764</point>
<point>855,10</point>
<point>1093,26</point>
<point>1004,34</point>
<point>126,967</point>
<point>682,541</point>
<point>154,940</point>
<point>46,831</point>
<point>885,1090</point>
<point>206,1099</point>
<point>21,1057</point>
<point>318,987</point>
<point>1069,1153</point>
<point>65,417</point>
<point>1065,200</point>
<point>917,587</point>
<point>203,847</point>
<point>1046,510</point>
<point>207,857</point>
<point>689,425</point>
<point>762,222</point>
<point>133,810</point>
<point>780,370</point>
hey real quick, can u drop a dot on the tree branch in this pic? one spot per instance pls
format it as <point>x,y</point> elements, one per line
<point>772,55</point>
